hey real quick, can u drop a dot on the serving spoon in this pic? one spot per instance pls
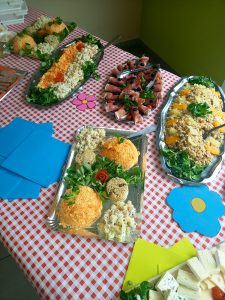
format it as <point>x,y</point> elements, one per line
<point>127,72</point>
<point>208,132</point>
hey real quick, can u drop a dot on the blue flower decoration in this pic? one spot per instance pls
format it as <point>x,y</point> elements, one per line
<point>196,208</point>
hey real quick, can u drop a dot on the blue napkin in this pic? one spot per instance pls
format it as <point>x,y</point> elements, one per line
<point>39,158</point>
<point>12,135</point>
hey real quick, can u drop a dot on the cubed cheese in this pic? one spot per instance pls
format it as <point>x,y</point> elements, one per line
<point>207,260</point>
<point>218,280</point>
<point>167,282</point>
<point>222,246</point>
<point>220,260</point>
<point>203,286</point>
<point>172,295</point>
<point>209,283</point>
<point>188,279</point>
<point>184,291</point>
<point>154,295</point>
<point>197,268</point>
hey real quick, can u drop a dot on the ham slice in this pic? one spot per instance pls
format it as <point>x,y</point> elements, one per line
<point>112,88</point>
<point>115,81</point>
<point>110,106</point>
<point>136,115</point>
<point>110,97</point>
<point>121,113</point>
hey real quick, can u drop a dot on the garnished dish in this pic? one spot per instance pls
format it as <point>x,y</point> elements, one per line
<point>199,278</point>
<point>41,38</point>
<point>102,186</point>
<point>65,71</point>
<point>194,106</point>
<point>130,98</point>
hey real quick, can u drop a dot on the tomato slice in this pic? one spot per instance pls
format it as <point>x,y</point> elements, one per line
<point>217,294</point>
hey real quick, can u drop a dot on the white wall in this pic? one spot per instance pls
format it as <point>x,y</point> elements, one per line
<point>104,18</point>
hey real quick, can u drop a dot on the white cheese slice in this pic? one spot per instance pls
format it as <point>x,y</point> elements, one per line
<point>154,295</point>
<point>220,260</point>
<point>218,280</point>
<point>197,268</point>
<point>203,286</point>
<point>209,283</point>
<point>207,260</point>
<point>184,291</point>
<point>221,246</point>
<point>167,282</point>
<point>187,279</point>
<point>172,295</point>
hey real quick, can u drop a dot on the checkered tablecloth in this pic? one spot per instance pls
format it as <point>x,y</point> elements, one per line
<point>62,266</point>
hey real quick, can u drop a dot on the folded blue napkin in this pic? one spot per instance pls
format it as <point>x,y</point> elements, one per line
<point>39,158</point>
<point>12,135</point>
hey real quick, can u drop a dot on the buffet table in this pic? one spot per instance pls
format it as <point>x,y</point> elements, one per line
<point>62,266</point>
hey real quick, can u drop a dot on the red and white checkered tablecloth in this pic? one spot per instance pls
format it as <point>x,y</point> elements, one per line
<point>62,266</point>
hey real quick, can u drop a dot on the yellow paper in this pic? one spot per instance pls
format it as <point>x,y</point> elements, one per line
<point>148,260</point>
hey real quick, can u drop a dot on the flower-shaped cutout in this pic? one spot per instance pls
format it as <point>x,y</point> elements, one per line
<point>196,208</point>
<point>84,101</point>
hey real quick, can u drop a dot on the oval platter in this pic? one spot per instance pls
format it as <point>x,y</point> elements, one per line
<point>37,76</point>
<point>210,172</point>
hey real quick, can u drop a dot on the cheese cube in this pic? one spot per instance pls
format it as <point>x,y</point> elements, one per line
<point>184,291</point>
<point>154,295</point>
<point>167,282</point>
<point>218,280</point>
<point>207,260</point>
<point>172,295</point>
<point>209,283</point>
<point>220,260</point>
<point>203,285</point>
<point>222,246</point>
<point>188,279</point>
<point>197,268</point>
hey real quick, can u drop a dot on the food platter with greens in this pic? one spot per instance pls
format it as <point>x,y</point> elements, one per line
<point>101,191</point>
<point>65,71</point>
<point>194,105</point>
<point>41,38</point>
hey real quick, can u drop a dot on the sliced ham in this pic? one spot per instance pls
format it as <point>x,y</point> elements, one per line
<point>136,115</point>
<point>121,113</point>
<point>110,106</point>
<point>110,96</point>
<point>112,88</point>
<point>115,81</point>
<point>157,88</point>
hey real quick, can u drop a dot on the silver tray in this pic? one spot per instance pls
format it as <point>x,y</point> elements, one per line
<point>36,77</point>
<point>212,170</point>
<point>135,195</point>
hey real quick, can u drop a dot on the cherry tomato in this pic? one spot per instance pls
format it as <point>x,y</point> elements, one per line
<point>217,294</point>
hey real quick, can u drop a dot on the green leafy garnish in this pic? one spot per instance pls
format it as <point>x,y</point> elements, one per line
<point>143,82</point>
<point>26,50</point>
<point>149,94</point>
<point>181,165</point>
<point>199,109</point>
<point>89,69</point>
<point>208,82</point>
<point>42,96</point>
<point>84,175</point>
<point>142,291</point>
<point>128,103</point>
<point>120,138</point>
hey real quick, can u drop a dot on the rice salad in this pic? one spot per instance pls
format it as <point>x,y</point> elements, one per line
<point>195,109</point>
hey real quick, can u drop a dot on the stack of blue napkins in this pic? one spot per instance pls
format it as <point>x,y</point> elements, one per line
<point>30,158</point>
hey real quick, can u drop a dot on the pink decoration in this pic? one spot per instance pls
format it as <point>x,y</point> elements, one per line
<point>84,101</point>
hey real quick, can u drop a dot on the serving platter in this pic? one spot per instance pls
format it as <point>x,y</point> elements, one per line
<point>37,76</point>
<point>211,171</point>
<point>135,194</point>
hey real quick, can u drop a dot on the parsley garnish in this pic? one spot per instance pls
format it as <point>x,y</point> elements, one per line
<point>149,94</point>
<point>142,291</point>
<point>89,69</point>
<point>119,138</point>
<point>128,103</point>
<point>181,165</point>
<point>199,109</point>
<point>208,82</point>
<point>42,96</point>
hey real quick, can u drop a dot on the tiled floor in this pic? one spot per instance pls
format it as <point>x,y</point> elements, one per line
<point>13,284</point>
